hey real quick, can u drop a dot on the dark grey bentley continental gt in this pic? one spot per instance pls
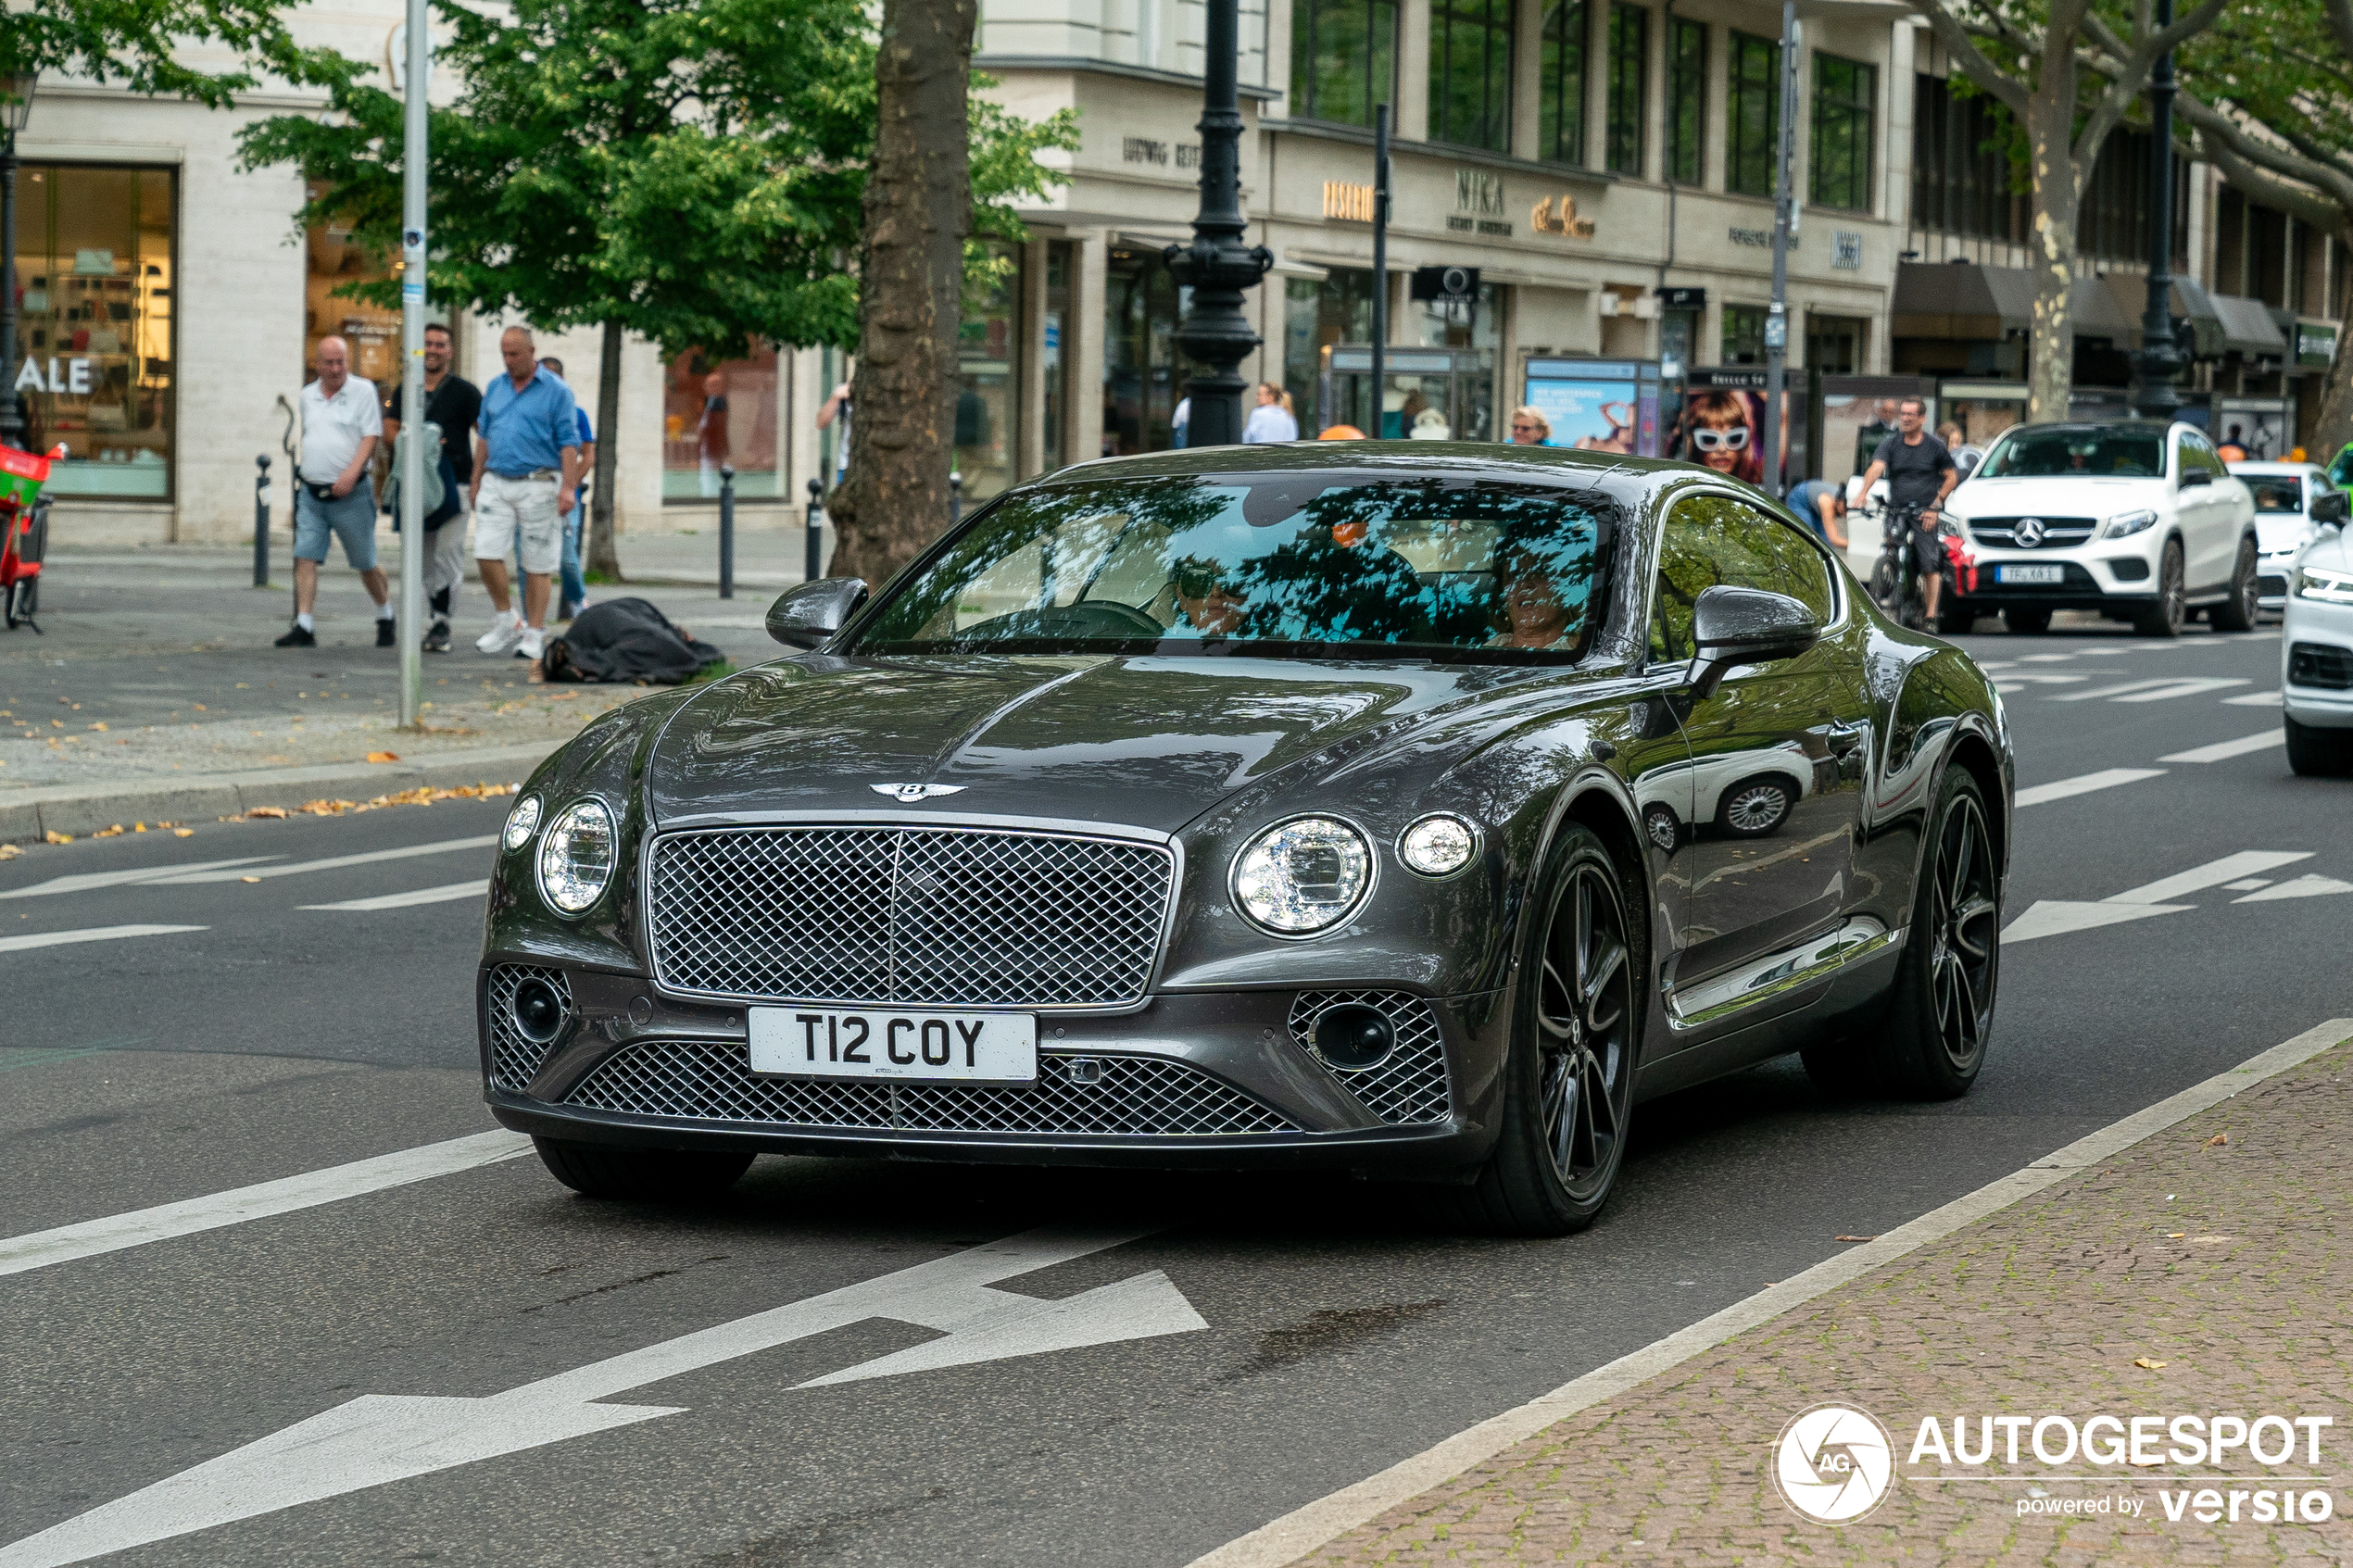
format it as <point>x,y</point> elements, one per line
<point>1415,809</point>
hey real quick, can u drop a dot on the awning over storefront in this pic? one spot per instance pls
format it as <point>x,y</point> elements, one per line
<point>2248,327</point>
<point>1962,300</point>
<point>2099,312</point>
<point>2195,305</point>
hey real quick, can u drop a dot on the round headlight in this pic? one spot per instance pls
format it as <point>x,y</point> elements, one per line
<point>1438,845</point>
<point>575,858</point>
<point>523,822</point>
<point>1304,875</point>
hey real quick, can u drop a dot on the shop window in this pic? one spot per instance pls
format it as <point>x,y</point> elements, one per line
<point>1835,344</point>
<point>1961,166</point>
<point>988,381</point>
<point>1321,313</point>
<point>1056,410</point>
<point>1143,373</point>
<point>371,333</point>
<point>1754,88</point>
<point>1561,122</point>
<point>1479,327</point>
<point>1629,47</point>
<point>1743,335</point>
<point>94,354</point>
<point>1470,73</point>
<point>1686,100</point>
<point>1845,92</point>
<point>1343,59</point>
<point>715,413</point>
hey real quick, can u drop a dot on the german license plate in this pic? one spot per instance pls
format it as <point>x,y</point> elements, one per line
<point>2046,576</point>
<point>956,1047</point>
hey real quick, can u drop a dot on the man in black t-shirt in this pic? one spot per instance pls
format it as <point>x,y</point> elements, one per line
<point>452,402</point>
<point>1919,475</point>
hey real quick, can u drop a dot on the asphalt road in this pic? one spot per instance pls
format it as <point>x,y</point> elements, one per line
<point>1343,1332</point>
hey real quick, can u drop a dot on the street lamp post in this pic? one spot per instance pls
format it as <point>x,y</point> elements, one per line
<point>1784,235</point>
<point>16,108</point>
<point>1217,267</point>
<point>416,81</point>
<point>2160,357</point>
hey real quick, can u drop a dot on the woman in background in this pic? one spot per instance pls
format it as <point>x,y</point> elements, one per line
<point>1530,428</point>
<point>1272,419</point>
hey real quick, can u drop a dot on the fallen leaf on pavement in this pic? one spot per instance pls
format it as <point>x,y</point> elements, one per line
<point>183,832</point>
<point>2217,1141</point>
<point>99,725</point>
<point>114,832</point>
<point>384,757</point>
<point>2146,1364</point>
<point>1854,1238</point>
<point>274,812</point>
<point>248,879</point>
<point>9,851</point>
<point>2175,1235</point>
<point>56,838</point>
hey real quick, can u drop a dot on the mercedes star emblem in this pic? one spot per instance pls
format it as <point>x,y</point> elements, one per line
<point>908,793</point>
<point>2030,532</point>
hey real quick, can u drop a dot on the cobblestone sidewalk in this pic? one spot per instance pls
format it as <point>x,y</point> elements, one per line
<point>2206,1270</point>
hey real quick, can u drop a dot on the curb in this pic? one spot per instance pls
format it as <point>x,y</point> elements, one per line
<point>26,814</point>
<point>1315,1524</point>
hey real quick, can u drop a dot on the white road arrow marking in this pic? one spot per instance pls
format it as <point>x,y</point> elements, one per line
<point>83,882</point>
<point>2214,873</point>
<point>334,862</point>
<point>2253,699</point>
<point>2311,885</point>
<point>441,895</point>
<point>2107,778</point>
<point>2222,751</point>
<point>381,1438</point>
<point>2054,917</point>
<point>2190,687</point>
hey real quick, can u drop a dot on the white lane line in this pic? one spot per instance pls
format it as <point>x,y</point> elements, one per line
<point>1302,1530</point>
<point>91,934</point>
<point>82,882</point>
<point>334,862</point>
<point>2253,699</point>
<point>2186,688</point>
<point>40,1249</point>
<point>441,895</point>
<point>2310,886</point>
<point>2225,749</point>
<point>2214,873</point>
<point>2107,778</point>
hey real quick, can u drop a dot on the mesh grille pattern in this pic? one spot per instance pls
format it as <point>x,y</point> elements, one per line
<point>908,915</point>
<point>514,1059</point>
<point>1405,1087</point>
<point>1141,1097</point>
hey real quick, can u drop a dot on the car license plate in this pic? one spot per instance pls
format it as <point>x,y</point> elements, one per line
<point>2048,576</point>
<point>960,1048</point>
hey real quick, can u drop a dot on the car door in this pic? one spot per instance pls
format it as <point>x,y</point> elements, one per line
<point>2209,543</point>
<point>1777,749</point>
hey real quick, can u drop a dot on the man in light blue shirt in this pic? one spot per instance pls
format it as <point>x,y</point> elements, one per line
<point>526,476</point>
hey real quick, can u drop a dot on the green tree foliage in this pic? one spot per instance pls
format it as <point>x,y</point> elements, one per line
<point>689,170</point>
<point>136,43</point>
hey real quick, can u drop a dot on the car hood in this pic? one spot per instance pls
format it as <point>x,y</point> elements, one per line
<point>1146,742</point>
<point>2279,530</point>
<point>2327,552</point>
<point>2056,497</point>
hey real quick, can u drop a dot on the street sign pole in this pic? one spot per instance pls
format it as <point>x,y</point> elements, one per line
<point>1784,226</point>
<point>413,543</point>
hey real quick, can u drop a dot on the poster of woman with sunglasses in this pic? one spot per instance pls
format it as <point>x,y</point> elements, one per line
<point>1725,430</point>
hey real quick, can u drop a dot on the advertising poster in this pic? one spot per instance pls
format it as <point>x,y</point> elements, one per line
<point>1597,405</point>
<point>1722,424</point>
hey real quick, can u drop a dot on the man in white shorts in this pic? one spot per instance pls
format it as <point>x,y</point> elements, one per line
<point>526,476</point>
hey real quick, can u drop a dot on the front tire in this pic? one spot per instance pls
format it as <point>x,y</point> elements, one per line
<point>2317,753</point>
<point>658,1176</point>
<point>1568,1080</point>
<point>1940,1011</point>
<point>2168,615</point>
<point>2237,613</point>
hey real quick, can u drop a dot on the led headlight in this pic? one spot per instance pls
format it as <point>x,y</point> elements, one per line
<point>1438,845</point>
<point>1303,876</point>
<point>521,822</point>
<point>2124,523</point>
<point>2333,587</point>
<point>576,855</point>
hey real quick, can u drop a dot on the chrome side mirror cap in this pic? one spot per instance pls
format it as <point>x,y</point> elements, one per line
<point>809,616</point>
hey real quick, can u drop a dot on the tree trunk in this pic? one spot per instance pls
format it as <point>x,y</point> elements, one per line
<point>911,285</point>
<point>2050,350</point>
<point>601,556</point>
<point>2332,425</point>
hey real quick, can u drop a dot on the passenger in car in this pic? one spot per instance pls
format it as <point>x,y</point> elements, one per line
<point>1205,601</point>
<point>1535,614</point>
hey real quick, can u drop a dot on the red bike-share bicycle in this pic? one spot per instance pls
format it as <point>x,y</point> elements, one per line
<point>24,533</point>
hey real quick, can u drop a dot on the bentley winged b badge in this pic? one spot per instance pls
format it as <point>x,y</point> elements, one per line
<point>908,793</point>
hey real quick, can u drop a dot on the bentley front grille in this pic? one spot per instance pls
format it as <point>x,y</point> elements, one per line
<point>515,1056</point>
<point>1117,1096</point>
<point>1405,1087</point>
<point>941,916</point>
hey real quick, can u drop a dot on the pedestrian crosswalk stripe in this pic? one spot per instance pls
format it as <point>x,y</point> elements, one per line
<point>441,895</point>
<point>92,934</point>
<point>2107,778</point>
<point>336,862</point>
<point>2225,749</point>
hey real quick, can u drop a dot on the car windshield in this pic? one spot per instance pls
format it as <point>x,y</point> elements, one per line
<point>2092,451</point>
<point>1283,564</point>
<point>2276,491</point>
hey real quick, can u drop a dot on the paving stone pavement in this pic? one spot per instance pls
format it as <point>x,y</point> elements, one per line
<point>2220,1249</point>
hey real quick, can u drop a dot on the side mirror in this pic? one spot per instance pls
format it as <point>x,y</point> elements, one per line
<point>808,616</point>
<point>2329,508</point>
<point>2191,477</point>
<point>1735,626</point>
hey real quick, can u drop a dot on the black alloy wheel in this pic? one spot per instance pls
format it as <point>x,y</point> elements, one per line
<point>658,1176</point>
<point>1568,1086</point>
<point>2026,620</point>
<point>2237,613</point>
<point>1940,1011</point>
<point>1755,808</point>
<point>2167,616</point>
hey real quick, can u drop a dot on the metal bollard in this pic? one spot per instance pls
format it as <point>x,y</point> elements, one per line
<point>726,531</point>
<point>955,498</point>
<point>816,529</point>
<point>262,522</point>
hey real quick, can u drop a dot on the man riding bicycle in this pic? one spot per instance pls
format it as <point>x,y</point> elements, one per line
<point>1919,475</point>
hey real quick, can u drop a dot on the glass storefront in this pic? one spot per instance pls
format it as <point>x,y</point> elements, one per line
<point>1318,314</point>
<point>1477,328</point>
<point>1056,410</point>
<point>718,412</point>
<point>95,355</point>
<point>371,332</point>
<point>1144,371</point>
<point>988,382</point>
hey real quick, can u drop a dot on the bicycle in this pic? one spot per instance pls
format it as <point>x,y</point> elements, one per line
<point>1895,579</point>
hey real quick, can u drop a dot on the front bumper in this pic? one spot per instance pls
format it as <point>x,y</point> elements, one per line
<point>2316,664</point>
<point>2114,583</point>
<point>1216,1079</point>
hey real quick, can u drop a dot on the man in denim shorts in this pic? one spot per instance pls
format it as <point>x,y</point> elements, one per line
<point>527,478</point>
<point>342,421</point>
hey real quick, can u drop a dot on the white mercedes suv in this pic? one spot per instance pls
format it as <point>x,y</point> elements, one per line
<point>2316,644</point>
<point>2140,521</point>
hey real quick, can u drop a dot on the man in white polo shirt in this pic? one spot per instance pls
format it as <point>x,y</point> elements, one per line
<point>342,421</point>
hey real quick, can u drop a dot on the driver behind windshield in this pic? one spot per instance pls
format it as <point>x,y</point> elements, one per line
<point>1535,615</point>
<point>1206,602</point>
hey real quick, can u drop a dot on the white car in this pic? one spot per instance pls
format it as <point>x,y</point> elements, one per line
<point>2140,521</point>
<point>2283,526</point>
<point>2316,645</point>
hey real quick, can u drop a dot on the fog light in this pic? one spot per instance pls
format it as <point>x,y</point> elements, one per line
<point>1352,1035</point>
<point>539,1012</point>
